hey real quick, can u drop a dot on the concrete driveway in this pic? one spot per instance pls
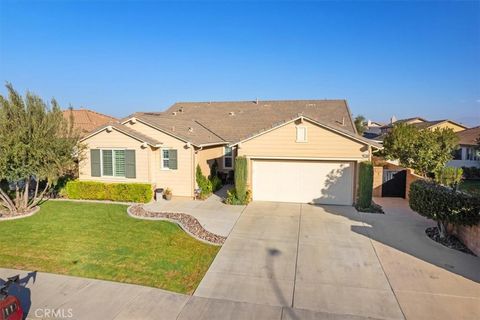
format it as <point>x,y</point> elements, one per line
<point>332,259</point>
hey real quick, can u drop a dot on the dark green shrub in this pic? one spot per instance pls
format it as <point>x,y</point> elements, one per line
<point>365,185</point>
<point>241,178</point>
<point>203,183</point>
<point>214,169</point>
<point>444,205</point>
<point>124,192</point>
<point>216,183</point>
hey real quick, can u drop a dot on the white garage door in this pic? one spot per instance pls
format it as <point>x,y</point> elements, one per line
<point>303,181</point>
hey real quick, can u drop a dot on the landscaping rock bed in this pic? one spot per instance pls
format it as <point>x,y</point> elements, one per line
<point>449,241</point>
<point>186,222</point>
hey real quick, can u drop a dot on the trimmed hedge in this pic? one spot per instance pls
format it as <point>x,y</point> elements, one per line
<point>125,192</point>
<point>241,179</point>
<point>443,204</point>
<point>365,185</point>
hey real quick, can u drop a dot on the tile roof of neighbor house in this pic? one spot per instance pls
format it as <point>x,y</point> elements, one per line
<point>469,136</point>
<point>233,121</point>
<point>87,120</point>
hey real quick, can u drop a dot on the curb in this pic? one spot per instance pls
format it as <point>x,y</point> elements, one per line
<point>178,223</point>
<point>37,208</point>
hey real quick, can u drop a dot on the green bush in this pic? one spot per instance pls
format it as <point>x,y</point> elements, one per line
<point>365,185</point>
<point>125,192</point>
<point>203,183</point>
<point>241,178</point>
<point>233,199</point>
<point>216,183</point>
<point>444,205</point>
<point>449,176</point>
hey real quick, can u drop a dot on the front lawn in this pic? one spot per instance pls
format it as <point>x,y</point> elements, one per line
<point>471,186</point>
<point>101,241</point>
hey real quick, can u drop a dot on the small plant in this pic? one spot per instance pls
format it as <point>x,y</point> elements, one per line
<point>214,169</point>
<point>232,198</point>
<point>216,183</point>
<point>449,176</point>
<point>444,205</point>
<point>168,194</point>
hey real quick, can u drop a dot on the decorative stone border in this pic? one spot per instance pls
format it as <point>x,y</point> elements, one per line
<point>188,223</point>
<point>20,216</point>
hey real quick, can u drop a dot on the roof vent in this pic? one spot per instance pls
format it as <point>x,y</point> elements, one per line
<point>343,121</point>
<point>310,105</point>
<point>190,129</point>
<point>174,113</point>
<point>173,128</point>
<point>231,113</point>
<point>256,100</point>
<point>180,110</point>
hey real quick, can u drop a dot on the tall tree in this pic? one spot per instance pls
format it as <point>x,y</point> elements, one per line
<point>425,151</point>
<point>36,144</point>
<point>360,124</point>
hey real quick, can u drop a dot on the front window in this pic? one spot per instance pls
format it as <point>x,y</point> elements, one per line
<point>228,158</point>
<point>165,159</point>
<point>472,154</point>
<point>113,163</point>
<point>457,154</point>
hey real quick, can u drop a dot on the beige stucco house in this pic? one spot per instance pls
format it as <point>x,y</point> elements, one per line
<point>297,151</point>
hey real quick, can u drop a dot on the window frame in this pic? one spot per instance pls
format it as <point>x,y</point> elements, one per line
<point>305,135</point>
<point>225,156</point>
<point>113,163</point>
<point>162,158</point>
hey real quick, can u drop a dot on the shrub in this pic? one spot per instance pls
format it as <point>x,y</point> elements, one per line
<point>471,172</point>
<point>214,169</point>
<point>444,205</point>
<point>126,192</point>
<point>203,183</point>
<point>449,176</point>
<point>241,178</point>
<point>365,185</point>
<point>233,199</point>
<point>216,183</point>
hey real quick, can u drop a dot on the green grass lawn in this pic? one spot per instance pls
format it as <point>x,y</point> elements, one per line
<point>101,241</point>
<point>471,186</point>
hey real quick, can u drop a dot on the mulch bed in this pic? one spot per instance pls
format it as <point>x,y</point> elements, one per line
<point>449,241</point>
<point>187,222</point>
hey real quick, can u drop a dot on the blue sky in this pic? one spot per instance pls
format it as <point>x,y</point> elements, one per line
<point>117,57</point>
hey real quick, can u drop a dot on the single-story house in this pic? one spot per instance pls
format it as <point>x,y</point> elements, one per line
<point>468,154</point>
<point>297,151</point>
<point>85,120</point>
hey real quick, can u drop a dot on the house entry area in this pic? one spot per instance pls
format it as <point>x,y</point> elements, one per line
<point>302,181</point>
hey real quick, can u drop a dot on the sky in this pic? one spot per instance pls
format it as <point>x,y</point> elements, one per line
<point>116,57</point>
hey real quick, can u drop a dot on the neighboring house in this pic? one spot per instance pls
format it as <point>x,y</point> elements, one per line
<point>468,155</point>
<point>297,151</point>
<point>85,120</point>
<point>373,129</point>
<point>419,123</point>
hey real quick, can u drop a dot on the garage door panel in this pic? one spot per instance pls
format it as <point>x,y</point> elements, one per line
<point>303,181</point>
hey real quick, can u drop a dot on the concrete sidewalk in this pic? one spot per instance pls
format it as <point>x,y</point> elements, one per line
<point>64,297</point>
<point>212,213</point>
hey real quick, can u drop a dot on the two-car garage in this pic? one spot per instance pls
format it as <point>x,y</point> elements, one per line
<point>305,181</point>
